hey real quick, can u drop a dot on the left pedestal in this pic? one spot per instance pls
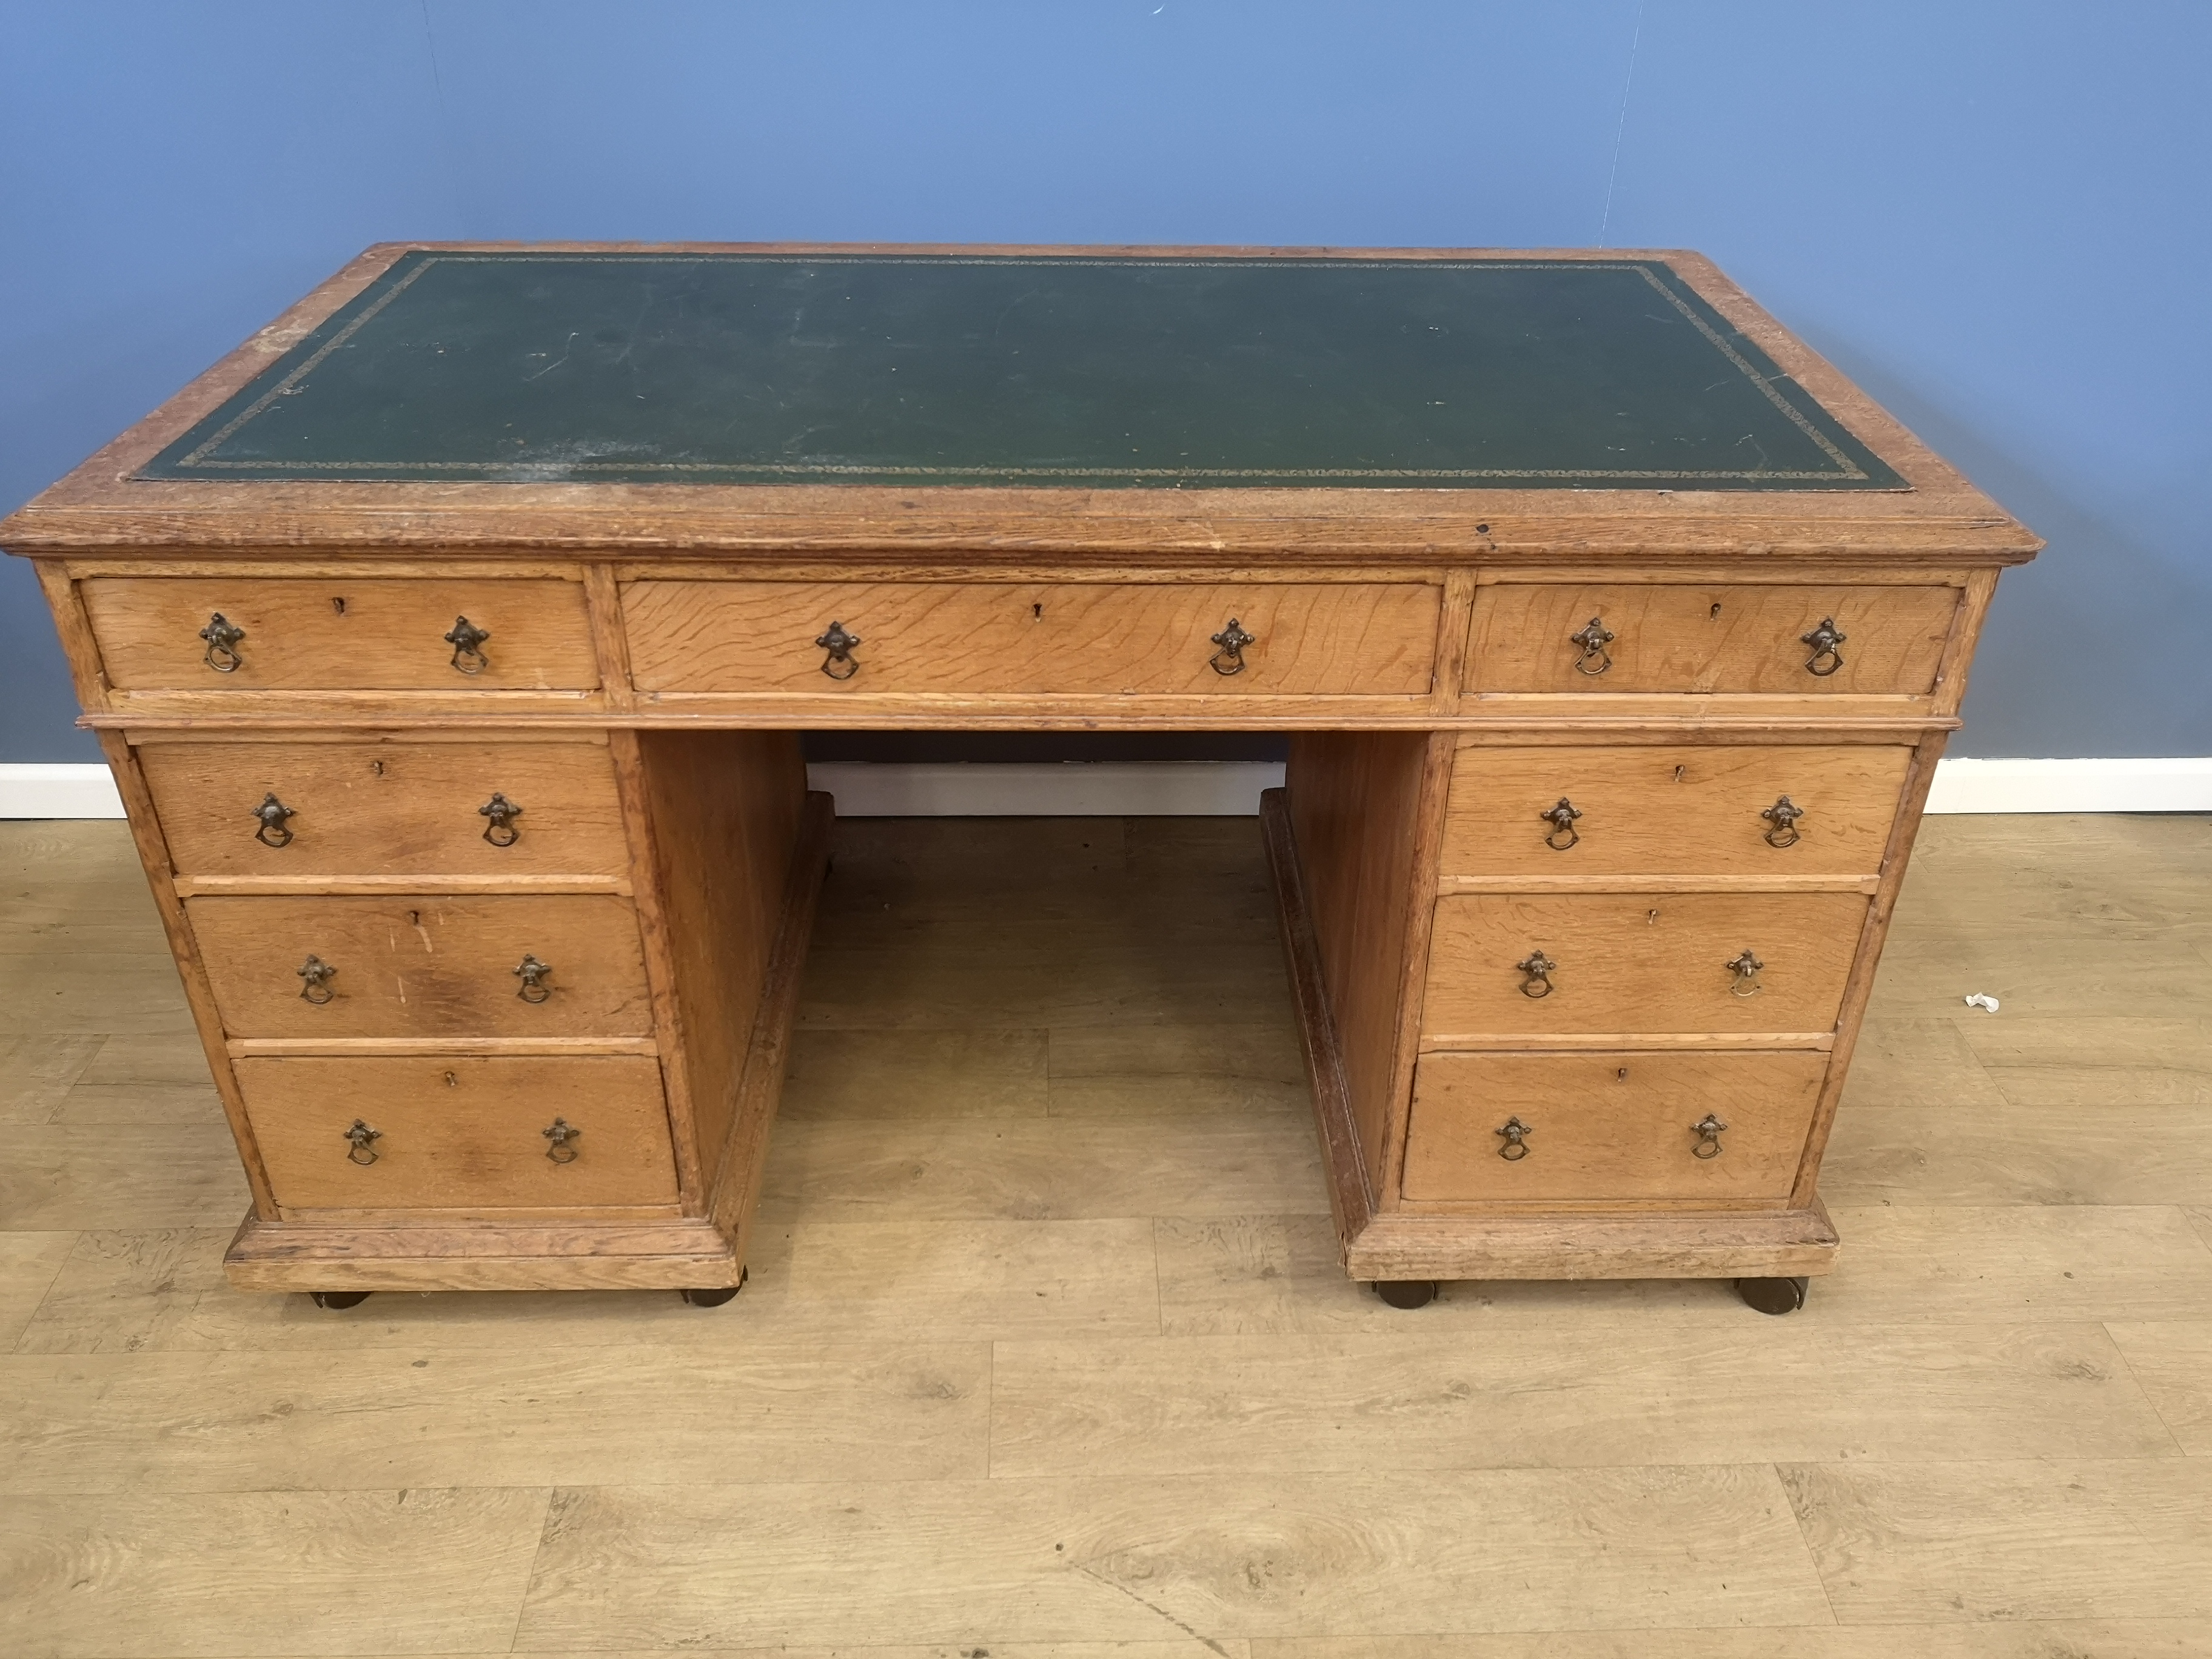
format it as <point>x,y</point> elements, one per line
<point>488,1010</point>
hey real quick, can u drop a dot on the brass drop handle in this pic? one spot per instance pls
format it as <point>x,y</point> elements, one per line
<point>1824,640</point>
<point>270,815</point>
<point>359,1147</point>
<point>1561,819</point>
<point>532,972</point>
<point>1232,640</point>
<point>315,977</point>
<point>1593,637</point>
<point>840,664</point>
<point>222,636</point>
<point>467,641</point>
<point>1536,969</point>
<point>1782,822</point>
<point>1708,1131</point>
<point>1746,969</point>
<point>1516,1137</point>
<point>500,814</point>
<point>560,1140</point>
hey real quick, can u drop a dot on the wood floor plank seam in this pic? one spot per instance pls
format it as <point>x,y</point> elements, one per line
<point>530,1573</point>
<point>1805,1539</point>
<point>60,1255</point>
<point>2150,1397</point>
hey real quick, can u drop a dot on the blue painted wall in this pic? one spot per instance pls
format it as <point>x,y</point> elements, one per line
<point>1994,213</point>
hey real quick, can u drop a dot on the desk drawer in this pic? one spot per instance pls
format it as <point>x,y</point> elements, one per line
<point>1034,638</point>
<point>1666,809</point>
<point>1639,961</point>
<point>1610,1128</point>
<point>1535,636</point>
<point>419,966</point>
<point>388,808</point>
<point>460,1131</point>
<point>382,634</point>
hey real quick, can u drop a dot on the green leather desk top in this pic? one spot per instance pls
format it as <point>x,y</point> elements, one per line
<point>1083,372</point>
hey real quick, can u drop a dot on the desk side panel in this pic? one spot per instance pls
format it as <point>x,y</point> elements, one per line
<point>161,875</point>
<point>1357,813</point>
<point>720,813</point>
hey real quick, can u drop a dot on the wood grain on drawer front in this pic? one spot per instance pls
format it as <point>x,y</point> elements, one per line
<point>1672,810</point>
<point>1708,637</point>
<point>460,1131</point>
<point>1609,1128</point>
<point>388,808</point>
<point>423,965</point>
<point>381,634</point>
<point>1639,961</point>
<point>1033,638</point>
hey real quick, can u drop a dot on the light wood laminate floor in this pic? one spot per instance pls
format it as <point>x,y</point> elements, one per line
<point>1045,1352</point>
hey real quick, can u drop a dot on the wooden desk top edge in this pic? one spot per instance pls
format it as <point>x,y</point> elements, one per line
<point>100,508</point>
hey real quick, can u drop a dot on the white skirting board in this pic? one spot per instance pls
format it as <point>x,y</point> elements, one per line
<point>1227,788</point>
<point>1963,784</point>
<point>38,790</point>
<point>1067,789</point>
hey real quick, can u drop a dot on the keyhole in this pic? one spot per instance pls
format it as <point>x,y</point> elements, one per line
<point>415,919</point>
<point>1621,1075</point>
<point>1651,920</point>
<point>1716,616</point>
<point>1678,772</point>
<point>1036,613</point>
<point>452,1081</point>
<point>376,768</point>
<point>338,604</point>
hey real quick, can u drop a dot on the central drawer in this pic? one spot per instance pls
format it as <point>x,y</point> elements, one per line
<point>415,966</point>
<point>460,1131</point>
<point>388,809</point>
<point>1179,639</point>
<point>301,633</point>
<point>1587,962</point>
<point>1598,1128</point>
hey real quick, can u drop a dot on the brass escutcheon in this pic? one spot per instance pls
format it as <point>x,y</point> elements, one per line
<point>1536,969</point>
<point>272,814</point>
<point>532,972</point>
<point>840,664</point>
<point>222,636</point>
<point>1593,637</point>
<point>1708,1132</point>
<point>467,641</point>
<point>499,813</point>
<point>358,1139</point>
<point>1516,1136</point>
<point>315,977</point>
<point>1561,819</point>
<point>562,1140</point>
<point>1232,640</point>
<point>1746,967</point>
<point>1824,640</point>
<point>1782,822</point>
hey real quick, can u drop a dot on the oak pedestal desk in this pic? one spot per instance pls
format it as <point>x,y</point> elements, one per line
<point>451,639</point>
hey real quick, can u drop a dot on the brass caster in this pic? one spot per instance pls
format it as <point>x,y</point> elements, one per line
<point>1406,1292</point>
<point>1772,1296</point>
<point>338,1299</point>
<point>714,1297</point>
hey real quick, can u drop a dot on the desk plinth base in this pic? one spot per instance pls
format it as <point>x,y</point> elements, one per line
<point>1388,1246</point>
<point>276,1255</point>
<point>1718,1244</point>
